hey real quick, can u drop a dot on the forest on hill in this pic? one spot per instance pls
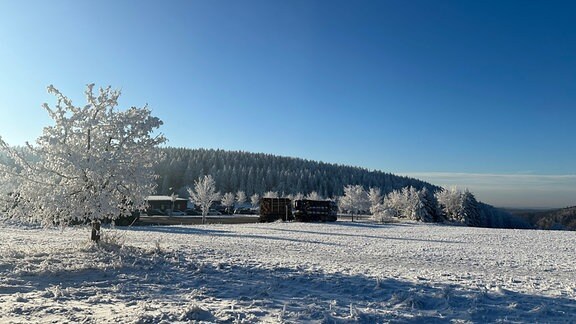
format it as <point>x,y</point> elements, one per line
<point>555,219</point>
<point>257,173</point>
<point>260,173</point>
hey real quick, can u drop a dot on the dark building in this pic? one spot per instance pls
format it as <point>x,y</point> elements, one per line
<point>164,203</point>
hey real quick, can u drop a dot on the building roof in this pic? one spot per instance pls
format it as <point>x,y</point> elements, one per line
<point>163,198</point>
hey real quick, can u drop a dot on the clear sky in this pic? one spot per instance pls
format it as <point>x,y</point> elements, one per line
<point>456,92</point>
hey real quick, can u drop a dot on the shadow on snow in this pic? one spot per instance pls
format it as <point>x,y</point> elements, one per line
<point>348,224</point>
<point>190,230</point>
<point>251,290</point>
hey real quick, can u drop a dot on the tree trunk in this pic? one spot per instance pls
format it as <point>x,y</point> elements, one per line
<point>95,231</point>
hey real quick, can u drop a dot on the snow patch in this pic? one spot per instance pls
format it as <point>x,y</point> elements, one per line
<point>287,272</point>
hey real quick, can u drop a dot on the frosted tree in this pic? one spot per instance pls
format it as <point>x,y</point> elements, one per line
<point>378,209</point>
<point>460,206</point>
<point>240,197</point>
<point>471,210</point>
<point>270,194</point>
<point>430,205</point>
<point>412,206</point>
<point>94,163</point>
<point>314,196</point>
<point>450,201</point>
<point>395,203</point>
<point>173,198</point>
<point>419,211</point>
<point>355,199</point>
<point>381,213</point>
<point>204,194</point>
<point>298,196</point>
<point>375,198</point>
<point>228,201</point>
<point>255,200</point>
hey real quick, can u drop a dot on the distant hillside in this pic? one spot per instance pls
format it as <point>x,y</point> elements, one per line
<point>259,173</point>
<point>564,218</point>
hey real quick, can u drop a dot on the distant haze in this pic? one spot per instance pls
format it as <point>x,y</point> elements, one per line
<point>510,190</point>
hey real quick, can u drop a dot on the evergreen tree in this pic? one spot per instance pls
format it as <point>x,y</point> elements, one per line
<point>470,210</point>
<point>460,207</point>
<point>258,173</point>
<point>430,205</point>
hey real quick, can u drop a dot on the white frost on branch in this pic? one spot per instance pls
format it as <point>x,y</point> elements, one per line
<point>355,200</point>
<point>240,197</point>
<point>228,200</point>
<point>271,194</point>
<point>95,162</point>
<point>255,200</point>
<point>204,194</point>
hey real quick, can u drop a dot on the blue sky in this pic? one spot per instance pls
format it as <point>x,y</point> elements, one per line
<point>451,91</point>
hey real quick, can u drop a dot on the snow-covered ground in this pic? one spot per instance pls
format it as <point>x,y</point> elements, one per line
<point>288,272</point>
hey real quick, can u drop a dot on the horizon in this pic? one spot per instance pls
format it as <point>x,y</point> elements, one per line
<point>477,94</point>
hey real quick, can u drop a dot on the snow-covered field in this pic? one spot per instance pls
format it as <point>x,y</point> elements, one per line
<point>288,272</point>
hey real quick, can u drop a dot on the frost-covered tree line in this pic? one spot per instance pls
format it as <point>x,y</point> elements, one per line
<point>555,219</point>
<point>419,205</point>
<point>445,205</point>
<point>257,173</point>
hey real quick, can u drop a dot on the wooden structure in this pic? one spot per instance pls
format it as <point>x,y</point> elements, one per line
<point>273,209</point>
<point>315,210</point>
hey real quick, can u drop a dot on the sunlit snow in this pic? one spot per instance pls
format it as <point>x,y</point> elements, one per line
<point>288,272</point>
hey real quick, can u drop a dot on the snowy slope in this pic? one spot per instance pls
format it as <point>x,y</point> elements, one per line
<point>288,272</point>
